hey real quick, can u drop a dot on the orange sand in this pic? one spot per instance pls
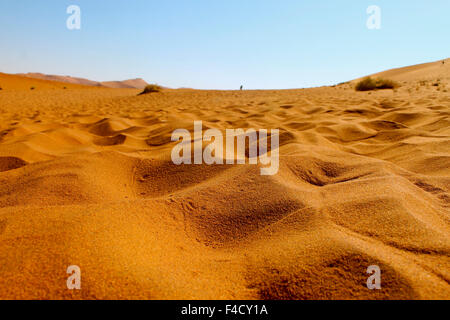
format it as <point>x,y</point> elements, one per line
<point>86,179</point>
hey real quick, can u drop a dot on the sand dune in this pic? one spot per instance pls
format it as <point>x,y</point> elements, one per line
<point>427,71</point>
<point>86,179</point>
<point>17,82</point>
<point>130,84</point>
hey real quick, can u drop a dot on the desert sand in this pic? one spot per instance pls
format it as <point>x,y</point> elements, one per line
<point>86,179</point>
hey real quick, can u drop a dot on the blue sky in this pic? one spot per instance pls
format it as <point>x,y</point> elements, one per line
<point>215,44</point>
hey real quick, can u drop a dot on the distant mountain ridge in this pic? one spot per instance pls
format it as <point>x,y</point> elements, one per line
<point>126,84</point>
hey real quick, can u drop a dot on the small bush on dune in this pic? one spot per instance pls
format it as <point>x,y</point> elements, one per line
<point>366,84</point>
<point>369,84</point>
<point>151,88</point>
<point>387,84</point>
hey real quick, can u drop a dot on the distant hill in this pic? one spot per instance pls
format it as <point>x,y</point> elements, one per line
<point>132,83</point>
<point>18,82</point>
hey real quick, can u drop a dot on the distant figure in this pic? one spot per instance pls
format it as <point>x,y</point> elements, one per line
<point>242,87</point>
<point>443,62</point>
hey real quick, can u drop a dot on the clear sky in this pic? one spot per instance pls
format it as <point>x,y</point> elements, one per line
<point>222,44</point>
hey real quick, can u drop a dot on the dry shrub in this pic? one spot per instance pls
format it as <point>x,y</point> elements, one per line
<point>369,84</point>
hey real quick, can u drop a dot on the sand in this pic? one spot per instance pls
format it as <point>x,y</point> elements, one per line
<point>86,179</point>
